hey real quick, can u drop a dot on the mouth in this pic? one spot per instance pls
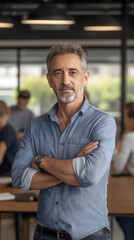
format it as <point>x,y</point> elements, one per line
<point>66,89</point>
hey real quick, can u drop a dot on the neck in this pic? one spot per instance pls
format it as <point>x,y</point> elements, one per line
<point>67,110</point>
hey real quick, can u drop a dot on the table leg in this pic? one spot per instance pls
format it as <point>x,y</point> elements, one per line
<point>19,226</point>
<point>0,226</point>
<point>111,226</point>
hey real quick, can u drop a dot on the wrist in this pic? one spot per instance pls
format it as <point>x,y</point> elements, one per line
<point>43,163</point>
<point>38,161</point>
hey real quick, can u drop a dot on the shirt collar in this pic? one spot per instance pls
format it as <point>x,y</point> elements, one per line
<point>85,106</point>
<point>53,110</point>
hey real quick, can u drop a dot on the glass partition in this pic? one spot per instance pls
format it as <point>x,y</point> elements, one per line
<point>33,77</point>
<point>8,75</point>
<point>130,75</point>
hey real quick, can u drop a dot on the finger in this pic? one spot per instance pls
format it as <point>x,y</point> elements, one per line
<point>91,143</point>
<point>89,149</point>
<point>92,146</point>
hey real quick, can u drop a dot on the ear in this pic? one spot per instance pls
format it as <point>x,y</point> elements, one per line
<point>86,77</point>
<point>49,79</point>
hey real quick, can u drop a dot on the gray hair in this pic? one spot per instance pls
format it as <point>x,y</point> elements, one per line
<point>61,49</point>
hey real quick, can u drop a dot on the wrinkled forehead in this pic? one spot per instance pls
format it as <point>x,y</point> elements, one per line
<point>65,61</point>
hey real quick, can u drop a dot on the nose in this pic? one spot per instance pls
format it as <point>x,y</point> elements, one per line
<point>65,78</point>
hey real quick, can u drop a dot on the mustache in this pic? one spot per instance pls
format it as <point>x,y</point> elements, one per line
<point>62,87</point>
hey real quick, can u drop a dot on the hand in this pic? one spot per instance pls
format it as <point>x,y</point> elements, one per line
<point>33,165</point>
<point>87,149</point>
<point>20,136</point>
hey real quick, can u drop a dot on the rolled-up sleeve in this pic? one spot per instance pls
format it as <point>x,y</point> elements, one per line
<point>27,178</point>
<point>22,172</point>
<point>91,168</point>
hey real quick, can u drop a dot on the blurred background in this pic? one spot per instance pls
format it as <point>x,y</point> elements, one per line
<point>103,27</point>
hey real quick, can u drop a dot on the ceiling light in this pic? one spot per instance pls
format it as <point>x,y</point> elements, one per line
<point>48,14</point>
<point>102,28</point>
<point>104,22</point>
<point>48,22</point>
<point>6,22</point>
<point>6,25</point>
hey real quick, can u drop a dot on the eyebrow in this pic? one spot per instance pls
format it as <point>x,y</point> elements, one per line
<point>74,69</point>
<point>70,69</point>
<point>56,70</point>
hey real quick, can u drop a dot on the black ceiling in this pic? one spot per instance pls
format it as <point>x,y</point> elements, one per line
<point>84,12</point>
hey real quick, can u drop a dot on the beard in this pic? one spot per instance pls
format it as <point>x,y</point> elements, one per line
<point>68,96</point>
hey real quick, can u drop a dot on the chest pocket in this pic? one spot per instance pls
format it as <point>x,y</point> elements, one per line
<point>74,145</point>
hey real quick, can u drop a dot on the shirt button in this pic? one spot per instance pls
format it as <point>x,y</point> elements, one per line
<point>62,143</point>
<point>56,203</point>
<point>56,223</point>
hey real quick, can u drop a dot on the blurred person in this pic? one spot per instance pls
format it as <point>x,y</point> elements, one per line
<point>124,152</point>
<point>66,154</point>
<point>20,115</point>
<point>124,162</point>
<point>8,141</point>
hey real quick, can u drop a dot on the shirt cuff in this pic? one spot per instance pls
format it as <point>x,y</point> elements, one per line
<point>27,178</point>
<point>79,168</point>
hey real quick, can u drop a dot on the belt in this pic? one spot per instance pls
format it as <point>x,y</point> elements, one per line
<point>63,235</point>
<point>101,233</point>
<point>59,234</point>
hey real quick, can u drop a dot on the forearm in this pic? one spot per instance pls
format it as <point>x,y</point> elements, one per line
<point>61,169</point>
<point>42,180</point>
<point>3,149</point>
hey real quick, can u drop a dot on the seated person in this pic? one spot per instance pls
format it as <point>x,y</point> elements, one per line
<point>8,141</point>
<point>124,159</point>
<point>124,152</point>
<point>20,115</point>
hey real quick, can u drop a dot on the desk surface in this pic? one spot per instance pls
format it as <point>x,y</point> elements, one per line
<point>120,198</point>
<point>121,195</point>
<point>15,206</point>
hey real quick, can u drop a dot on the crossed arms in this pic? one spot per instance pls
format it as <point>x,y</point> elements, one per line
<point>57,170</point>
<point>85,169</point>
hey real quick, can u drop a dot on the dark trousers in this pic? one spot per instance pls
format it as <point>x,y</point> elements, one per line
<point>127,225</point>
<point>38,236</point>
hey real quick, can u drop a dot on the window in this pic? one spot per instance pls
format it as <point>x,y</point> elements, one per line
<point>33,78</point>
<point>8,75</point>
<point>130,75</point>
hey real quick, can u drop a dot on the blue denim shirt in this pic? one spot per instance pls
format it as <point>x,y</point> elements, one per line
<point>80,210</point>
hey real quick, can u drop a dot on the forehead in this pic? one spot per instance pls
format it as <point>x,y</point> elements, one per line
<point>65,61</point>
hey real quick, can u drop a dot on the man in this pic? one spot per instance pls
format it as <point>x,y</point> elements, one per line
<point>20,115</point>
<point>8,141</point>
<point>76,142</point>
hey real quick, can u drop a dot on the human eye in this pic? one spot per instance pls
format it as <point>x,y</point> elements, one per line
<point>73,73</point>
<point>57,74</point>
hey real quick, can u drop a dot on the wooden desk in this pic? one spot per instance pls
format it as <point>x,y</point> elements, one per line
<point>120,198</point>
<point>15,206</point>
<point>121,195</point>
<point>120,201</point>
<point>19,208</point>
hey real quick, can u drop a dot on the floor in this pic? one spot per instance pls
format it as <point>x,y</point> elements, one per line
<point>7,228</point>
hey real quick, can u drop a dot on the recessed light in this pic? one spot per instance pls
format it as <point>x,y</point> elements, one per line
<point>102,28</point>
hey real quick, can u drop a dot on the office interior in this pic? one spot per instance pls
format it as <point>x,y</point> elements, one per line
<point>104,28</point>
